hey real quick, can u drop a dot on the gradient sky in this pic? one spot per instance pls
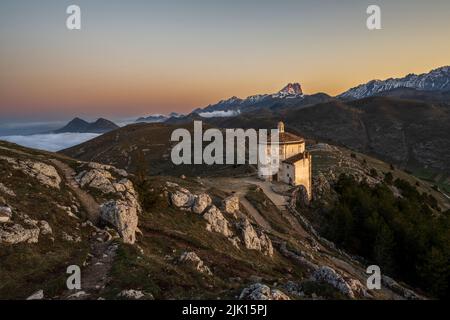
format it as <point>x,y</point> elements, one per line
<point>141,57</point>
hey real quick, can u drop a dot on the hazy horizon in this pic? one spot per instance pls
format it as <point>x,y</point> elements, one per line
<point>140,57</point>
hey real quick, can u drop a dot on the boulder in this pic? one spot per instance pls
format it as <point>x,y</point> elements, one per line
<point>193,260</point>
<point>182,198</point>
<point>231,204</point>
<point>16,233</point>
<point>45,228</point>
<point>217,222</point>
<point>120,172</point>
<point>347,286</point>
<point>132,294</point>
<point>5,214</point>
<point>123,215</point>
<point>260,291</point>
<point>98,179</point>
<point>254,240</point>
<point>38,295</point>
<point>201,202</point>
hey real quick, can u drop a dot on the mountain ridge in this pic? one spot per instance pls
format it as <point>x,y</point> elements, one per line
<point>435,81</point>
<point>78,125</point>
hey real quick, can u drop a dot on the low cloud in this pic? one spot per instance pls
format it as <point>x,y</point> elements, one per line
<point>51,142</point>
<point>219,114</point>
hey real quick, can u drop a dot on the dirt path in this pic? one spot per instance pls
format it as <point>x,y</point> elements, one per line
<point>95,275</point>
<point>87,201</point>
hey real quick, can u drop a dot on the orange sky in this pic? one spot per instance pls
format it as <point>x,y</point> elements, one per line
<point>139,58</point>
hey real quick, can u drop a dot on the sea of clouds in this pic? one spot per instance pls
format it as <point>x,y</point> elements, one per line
<point>50,141</point>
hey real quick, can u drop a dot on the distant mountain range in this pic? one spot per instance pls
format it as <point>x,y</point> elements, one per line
<point>437,80</point>
<point>156,118</point>
<point>78,125</point>
<point>290,91</point>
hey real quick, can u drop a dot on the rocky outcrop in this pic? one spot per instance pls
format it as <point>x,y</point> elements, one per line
<point>231,204</point>
<point>5,214</point>
<point>123,216</point>
<point>260,291</point>
<point>120,172</point>
<point>396,287</point>
<point>201,202</point>
<point>121,212</point>
<point>98,179</point>
<point>45,228</point>
<point>38,295</point>
<point>217,222</point>
<point>182,199</point>
<point>348,287</point>
<point>193,260</point>
<point>132,294</point>
<point>16,233</point>
<point>44,173</point>
<point>254,240</point>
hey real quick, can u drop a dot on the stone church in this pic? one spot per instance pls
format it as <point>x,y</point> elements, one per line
<point>294,163</point>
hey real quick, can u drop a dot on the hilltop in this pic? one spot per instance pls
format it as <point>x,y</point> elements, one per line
<point>78,125</point>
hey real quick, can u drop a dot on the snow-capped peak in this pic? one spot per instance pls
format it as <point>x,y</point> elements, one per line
<point>436,80</point>
<point>292,90</point>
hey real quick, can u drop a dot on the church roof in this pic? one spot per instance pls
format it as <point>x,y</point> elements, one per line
<point>297,158</point>
<point>286,137</point>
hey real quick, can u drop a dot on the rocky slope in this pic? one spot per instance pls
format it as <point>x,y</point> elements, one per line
<point>159,237</point>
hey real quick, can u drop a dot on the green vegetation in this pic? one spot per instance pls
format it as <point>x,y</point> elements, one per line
<point>406,236</point>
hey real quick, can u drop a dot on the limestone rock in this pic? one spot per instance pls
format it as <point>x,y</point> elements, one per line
<point>98,179</point>
<point>16,233</point>
<point>348,286</point>
<point>231,204</point>
<point>44,173</point>
<point>260,291</point>
<point>95,165</point>
<point>45,228</point>
<point>122,211</point>
<point>201,202</point>
<point>192,259</point>
<point>123,215</point>
<point>132,294</point>
<point>217,222</point>
<point>5,214</point>
<point>38,295</point>
<point>254,241</point>
<point>182,198</point>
